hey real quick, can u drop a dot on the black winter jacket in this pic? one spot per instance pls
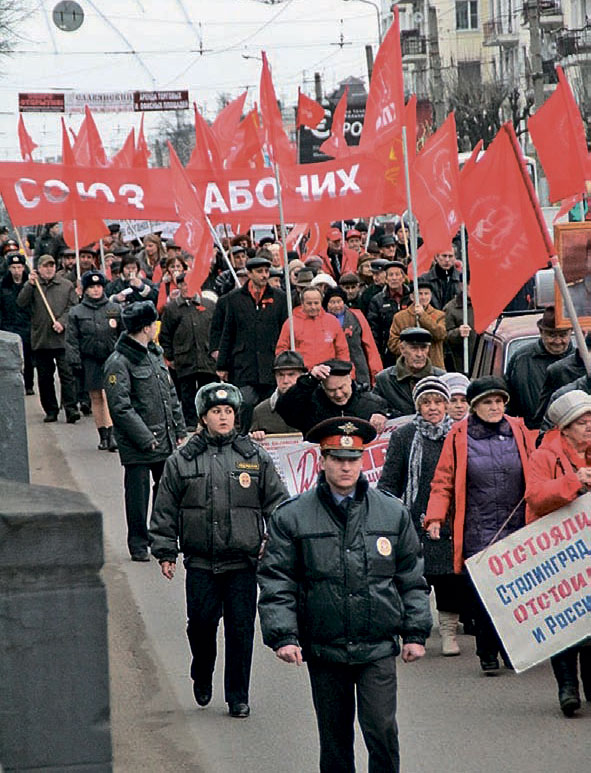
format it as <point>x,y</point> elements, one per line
<point>247,346</point>
<point>343,583</point>
<point>214,497</point>
<point>558,375</point>
<point>306,404</point>
<point>147,292</point>
<point>93,329</point>
<point>446,285</point>
<point>184,335</point>
<point>13,317</point>
<point>380,314</point>
<point>142,402</point>
<point>525,376</point>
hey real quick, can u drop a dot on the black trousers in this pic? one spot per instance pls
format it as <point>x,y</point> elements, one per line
<point>136,482</point>
<point>334,689</point>
<point>449,590</point>
<point>210,596</point>
<point>488,643</point>
<point>28,369</point>
<point>46,361</point>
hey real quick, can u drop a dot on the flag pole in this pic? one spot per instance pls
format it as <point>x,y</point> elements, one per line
<point>413,229</point>
<point>77,249</point>
<point>102,250</point>
<point>218,241</point>
<point>465,341</point>
<point>285,259</point>
<point>37,284</point>
<point>368,237</point>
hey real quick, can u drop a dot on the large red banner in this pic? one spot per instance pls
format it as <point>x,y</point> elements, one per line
<point>331,190</point>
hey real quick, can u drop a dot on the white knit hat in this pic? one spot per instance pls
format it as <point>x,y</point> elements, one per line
<point>569,407</point>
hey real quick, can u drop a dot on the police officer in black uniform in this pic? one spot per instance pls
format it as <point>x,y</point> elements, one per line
<point>214,498</point>
<point>340,581</point>
<point>146,415</point>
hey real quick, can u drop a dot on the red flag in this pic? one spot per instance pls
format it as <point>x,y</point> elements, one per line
<point>336,144</point>
<point>227,121</point>
<point>295,235</point>
<point>142,154</point>
<point>25,141</point>
<point>280,148</point>
<point>90,230</point>
<point>193,233</point>
<point>567,204</point>
<point>384,110</point>
<point>435,188</point>
<point>248,142</point>
<point>206,154</point>
<point>88,147</point>
<point>309,113</point>
<point>558,134</point>
<point>124,158</point>
<point>317,241</point>
<point>392,154</point>
<point>508,238</point>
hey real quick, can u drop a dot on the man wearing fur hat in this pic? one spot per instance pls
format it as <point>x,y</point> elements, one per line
<point>214,498</point>
<point>527,368</point>
<point>146,416</point>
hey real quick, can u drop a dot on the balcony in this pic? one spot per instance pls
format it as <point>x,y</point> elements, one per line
<point>551,17</point>
<point>574,43</point>
<point>495,35</point>
<point>413,46</point>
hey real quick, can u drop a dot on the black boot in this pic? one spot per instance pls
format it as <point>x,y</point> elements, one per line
<point>564,666</point>
<point>585,663</point>
<point>104,438</point>
<point>111,442</point>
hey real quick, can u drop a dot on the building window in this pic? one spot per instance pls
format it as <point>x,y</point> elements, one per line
<point>467,14</point>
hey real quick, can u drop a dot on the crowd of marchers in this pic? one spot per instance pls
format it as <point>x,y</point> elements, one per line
<point>153,363</point>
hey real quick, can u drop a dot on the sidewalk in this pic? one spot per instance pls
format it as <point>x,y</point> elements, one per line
<point>147,724</point>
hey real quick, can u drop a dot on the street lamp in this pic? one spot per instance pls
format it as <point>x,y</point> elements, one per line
<point>378,14</point>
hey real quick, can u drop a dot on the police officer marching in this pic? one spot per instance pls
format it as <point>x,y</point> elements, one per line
<point>215,495</point>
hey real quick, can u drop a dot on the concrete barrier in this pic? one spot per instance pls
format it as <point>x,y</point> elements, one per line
<point>54,674</point>
<point>14,451</point>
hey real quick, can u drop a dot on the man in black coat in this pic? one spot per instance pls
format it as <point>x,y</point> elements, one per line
<point>184,337</point>
<point>559,374</point>
<point>255,314</point>
<point>340,581</point>
<point>527,368</point>
<point>146,416</point>
<point>14,318</point>
<point>328,391</point>
<point>394,297</point>
<point>446,282</point>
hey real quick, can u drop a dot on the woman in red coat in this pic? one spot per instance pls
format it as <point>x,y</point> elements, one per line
<point>479,485</point>
<point>559,472</point>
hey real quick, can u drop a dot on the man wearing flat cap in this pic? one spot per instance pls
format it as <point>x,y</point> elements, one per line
<point>225,282</point>
<point>48,336</point>
<point>288,367</point>
<point>329,391</point>
<point>341,581</point>
<point>396,383</point>
<point>527,368</point>
<point>13,318</point>
<point>146,415</point>
<point>254,316</point>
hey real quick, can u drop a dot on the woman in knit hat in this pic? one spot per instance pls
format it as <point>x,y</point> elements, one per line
<point>559,473</point>
<point>478,453</point>
<point>413,453</point>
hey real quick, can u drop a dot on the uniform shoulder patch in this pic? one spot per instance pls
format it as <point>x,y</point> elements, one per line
<point>112,378</point>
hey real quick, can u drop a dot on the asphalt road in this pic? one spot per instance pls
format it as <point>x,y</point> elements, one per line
<point>452,719</point>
